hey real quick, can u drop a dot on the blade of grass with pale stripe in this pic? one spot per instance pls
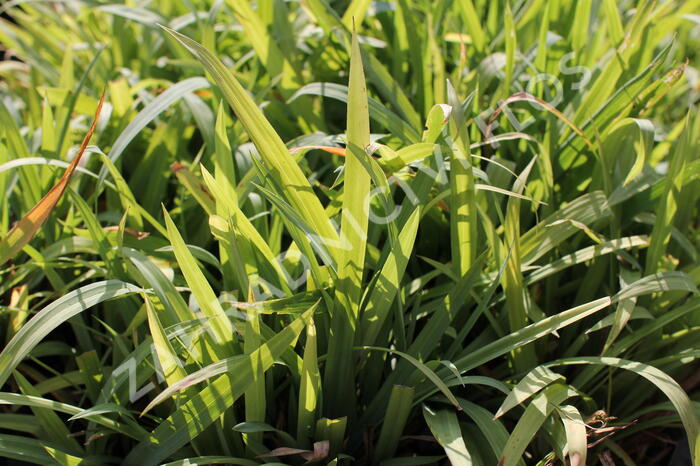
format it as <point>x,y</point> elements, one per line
<point>535,415</point>
<point>668,205</point>
<point>309,389</point>
<point>353,233</point>
<point>463,213</point>
<point>218,321</point>
<point>397,412</point>
<point>54,315</point>
<point>445,427</point>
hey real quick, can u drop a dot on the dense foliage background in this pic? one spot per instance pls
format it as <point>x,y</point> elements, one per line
<point>363,232</point>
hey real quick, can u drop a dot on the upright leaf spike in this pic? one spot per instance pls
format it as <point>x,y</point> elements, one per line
<point>353,235</point>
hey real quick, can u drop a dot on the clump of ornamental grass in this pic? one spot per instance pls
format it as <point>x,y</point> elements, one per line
<point>391,233</point>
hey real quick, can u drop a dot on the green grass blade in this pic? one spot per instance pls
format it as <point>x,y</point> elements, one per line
<point>24,449</point>
<point>163,288</point>
<point>247,231</point>
<point>254,396</point>
<point>377,111</point>
<point>535,381</point>
<point>551,231</point>
<point>666,281</point>
<point>355,13</point>
<point>668,205</point>
<point>263,43</point>
<point>333,432</point>
<point>385,289</point>
<point>129,430</point>
<point>423,368</point>
<point>612,15</point>
<point>192,184</point>
<point>54,315</point>
<point>511,44</point>
<point>151,111</point>
<point>529,423</point>
<point>580,28</point>
<point>528,334</point>
<point>445,428</point>
<point>473,21</point>
<point>397,412</point>
<point>518,301</point>
<point>463,213</point>
<point>496,435</point>
<point>51,424</point>
<point>309,389</point>
<point>353,233</point>
<point>170,364</point>
<point>218,322</point>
